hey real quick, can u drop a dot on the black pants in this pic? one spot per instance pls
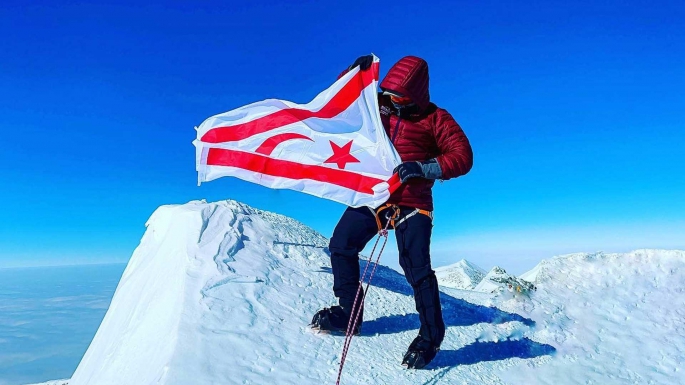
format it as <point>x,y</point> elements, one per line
<point>355,229</point>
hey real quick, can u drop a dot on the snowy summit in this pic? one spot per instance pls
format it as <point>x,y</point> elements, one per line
<point>223,293</point>
<point>461,275</point>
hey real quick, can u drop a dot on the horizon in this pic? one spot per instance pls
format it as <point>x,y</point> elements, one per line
<point>395,266</point>
<point>574,111</point>
<point>39,266</point>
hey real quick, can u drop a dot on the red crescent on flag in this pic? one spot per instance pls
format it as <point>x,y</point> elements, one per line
<point>270,144</point>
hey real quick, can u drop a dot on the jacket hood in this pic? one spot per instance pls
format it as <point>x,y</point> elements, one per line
<point>409,77</point>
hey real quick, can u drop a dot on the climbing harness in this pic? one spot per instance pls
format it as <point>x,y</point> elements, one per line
<point>395,222</point>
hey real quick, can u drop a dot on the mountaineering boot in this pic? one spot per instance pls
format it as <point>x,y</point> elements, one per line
<point>420,353</point>
<point>335,320</point>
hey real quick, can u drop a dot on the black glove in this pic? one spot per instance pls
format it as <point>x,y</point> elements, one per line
<point>429,169</point>
<point>364,62</point>
<point>408,170</point>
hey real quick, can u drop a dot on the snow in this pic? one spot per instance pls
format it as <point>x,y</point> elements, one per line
<point>532,274</point>
<point>460,275</point>
<point>486,285</point>
<point>615,318</point>
<point>222,293</point>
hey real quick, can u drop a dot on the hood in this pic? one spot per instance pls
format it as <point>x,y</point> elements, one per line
<point>409,77</point>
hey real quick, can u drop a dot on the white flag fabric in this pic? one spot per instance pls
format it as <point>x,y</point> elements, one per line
<point>333,147</point>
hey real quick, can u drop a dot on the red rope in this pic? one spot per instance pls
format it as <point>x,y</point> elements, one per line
<point>354,317</point>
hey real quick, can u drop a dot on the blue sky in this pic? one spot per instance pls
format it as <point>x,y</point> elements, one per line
<point>575,113</point>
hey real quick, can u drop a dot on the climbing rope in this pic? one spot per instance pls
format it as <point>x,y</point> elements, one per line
<point>354,317</point>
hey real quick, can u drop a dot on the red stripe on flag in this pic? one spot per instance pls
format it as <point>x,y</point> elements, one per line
<point>395,182</point>
<point>291,170</point>
<point>339,103</point>
<point>268,146</point>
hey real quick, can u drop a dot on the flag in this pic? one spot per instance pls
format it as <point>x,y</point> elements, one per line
<point>334,147</point>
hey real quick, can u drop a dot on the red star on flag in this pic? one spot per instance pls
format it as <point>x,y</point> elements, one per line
<point>341,155</point>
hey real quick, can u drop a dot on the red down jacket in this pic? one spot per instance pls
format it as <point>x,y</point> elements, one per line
<point>422,133</point>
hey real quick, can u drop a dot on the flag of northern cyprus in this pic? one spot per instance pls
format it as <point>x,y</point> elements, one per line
<point>333,147</point>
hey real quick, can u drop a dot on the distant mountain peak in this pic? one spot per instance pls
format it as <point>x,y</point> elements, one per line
<point>489,283</point>
<point>463,275</point>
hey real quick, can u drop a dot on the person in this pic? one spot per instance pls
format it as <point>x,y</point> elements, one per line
<point>432,147</point>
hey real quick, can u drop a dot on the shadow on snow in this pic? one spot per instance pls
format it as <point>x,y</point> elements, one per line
<point>491,351</point>
<point>456,312</point>
<point>485,351</point>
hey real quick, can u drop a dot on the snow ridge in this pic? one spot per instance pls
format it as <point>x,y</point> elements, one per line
<point>173,299</point>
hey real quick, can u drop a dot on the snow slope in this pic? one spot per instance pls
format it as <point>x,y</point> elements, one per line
<point>615,318</point>
<point>461,275</point>
<point>222,293</point>
<point>486,285</point>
